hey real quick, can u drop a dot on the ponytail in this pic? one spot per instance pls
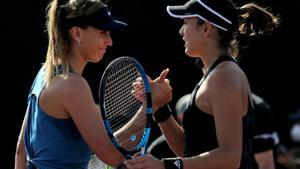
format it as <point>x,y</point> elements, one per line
<point>255,20</point>
<point>250,20</point>
<point>58,41</point>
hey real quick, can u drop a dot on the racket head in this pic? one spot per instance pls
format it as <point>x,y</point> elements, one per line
<point>120,107</point>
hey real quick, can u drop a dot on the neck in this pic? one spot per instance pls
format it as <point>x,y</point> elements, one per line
<point>210,57</point>
<point>77,62</point>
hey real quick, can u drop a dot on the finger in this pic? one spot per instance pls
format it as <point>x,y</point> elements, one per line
<point>135,166</point>
<point>134,161</point>
<point>136,154</point>
<point>139,79</point>
<point>139,95</point>
<point>138,85</point>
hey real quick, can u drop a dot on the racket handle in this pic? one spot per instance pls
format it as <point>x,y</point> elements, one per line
<point>143,151</point>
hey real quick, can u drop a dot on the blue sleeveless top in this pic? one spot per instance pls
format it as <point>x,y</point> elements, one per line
<point>52,143</point>
<point>200,132</point>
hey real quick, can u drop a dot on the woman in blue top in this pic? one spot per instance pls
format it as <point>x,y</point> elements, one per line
<point>217,128</point>
<point>63,125</point>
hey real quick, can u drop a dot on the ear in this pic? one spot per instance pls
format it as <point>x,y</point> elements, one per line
<point>207,29</point>
<point>75,32</point>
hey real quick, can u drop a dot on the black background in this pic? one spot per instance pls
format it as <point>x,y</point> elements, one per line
<point>272,63</point>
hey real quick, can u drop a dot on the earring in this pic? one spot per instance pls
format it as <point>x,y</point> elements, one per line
<point>78,41</point>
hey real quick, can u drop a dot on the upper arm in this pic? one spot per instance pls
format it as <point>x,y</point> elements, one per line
<point>20,158</point>
<point>228,103</point>
<point>21,144</point>
<point>79,103</point>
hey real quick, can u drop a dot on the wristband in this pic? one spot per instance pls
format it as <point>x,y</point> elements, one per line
<point>162,114</point>
<point>173,163</point>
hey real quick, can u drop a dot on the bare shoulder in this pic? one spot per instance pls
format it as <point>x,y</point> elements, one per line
<point>228,85</point>
<point>75,83</point>
<point>70,90</point>
<point>229,76</point>
<point>64,94</point>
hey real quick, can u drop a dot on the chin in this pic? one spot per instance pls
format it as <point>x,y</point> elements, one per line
<point>191,53</point>
<point>96,59</point>
<point>99,59</point>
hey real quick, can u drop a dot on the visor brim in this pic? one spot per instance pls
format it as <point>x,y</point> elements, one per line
<point>113,25</point>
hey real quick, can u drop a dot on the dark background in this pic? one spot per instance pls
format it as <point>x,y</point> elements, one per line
<point>152,38</point>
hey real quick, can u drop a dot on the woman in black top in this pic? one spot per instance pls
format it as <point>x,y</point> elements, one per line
<point>217,127</point>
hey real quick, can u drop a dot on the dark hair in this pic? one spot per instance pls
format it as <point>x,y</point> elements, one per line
<point>247,20</point>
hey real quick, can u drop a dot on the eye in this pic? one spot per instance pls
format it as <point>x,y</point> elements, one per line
<point>103,32</point>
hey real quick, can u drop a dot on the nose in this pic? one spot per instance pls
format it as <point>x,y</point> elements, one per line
<point>109,41</point>
<point>181,30</point>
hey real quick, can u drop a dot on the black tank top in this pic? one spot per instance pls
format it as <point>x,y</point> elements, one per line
<point>200,132</point>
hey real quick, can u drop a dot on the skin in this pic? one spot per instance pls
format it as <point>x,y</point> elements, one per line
<point>72,97</point>
<point>265,160</point>
<point>224,95</point>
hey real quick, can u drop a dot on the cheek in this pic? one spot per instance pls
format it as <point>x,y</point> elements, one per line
<point>93,42</point>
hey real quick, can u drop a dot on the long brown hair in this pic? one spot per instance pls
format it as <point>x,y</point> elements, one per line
<point>248,20</point>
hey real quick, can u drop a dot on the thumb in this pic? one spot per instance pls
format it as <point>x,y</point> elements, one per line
<point>163,75</point>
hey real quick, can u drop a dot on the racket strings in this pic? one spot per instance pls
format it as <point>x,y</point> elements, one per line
<point>115,114</point>
<point>96,163</point>
<point>121,95</point>
<point>120,90</point>
<point>121,105</point>
<point>123,98</point>
<point>120,72</point>
<point>119,99</point>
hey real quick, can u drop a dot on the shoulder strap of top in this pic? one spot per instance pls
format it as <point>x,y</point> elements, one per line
<point>215,64</point>
<point>38,83</point>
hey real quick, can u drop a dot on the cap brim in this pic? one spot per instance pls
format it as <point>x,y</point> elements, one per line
<point>113,25</point>
<point>177,11</point>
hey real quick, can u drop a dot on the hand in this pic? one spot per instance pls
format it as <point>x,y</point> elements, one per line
<point>144,162</point>
<point>138,89</point>
<point>161,90</point>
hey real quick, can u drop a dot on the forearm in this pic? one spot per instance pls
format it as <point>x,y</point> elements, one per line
<point>133,126</point>
<point>102,146</point>
<point>111,156</point>
<point>215,159</point>
<point>174,135</point>
<point>265,160</point>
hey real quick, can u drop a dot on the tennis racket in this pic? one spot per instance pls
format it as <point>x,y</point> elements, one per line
<point>126,108</point>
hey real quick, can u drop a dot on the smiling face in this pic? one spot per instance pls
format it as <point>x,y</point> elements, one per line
<point>192,34</point>
<point>93,43</point>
